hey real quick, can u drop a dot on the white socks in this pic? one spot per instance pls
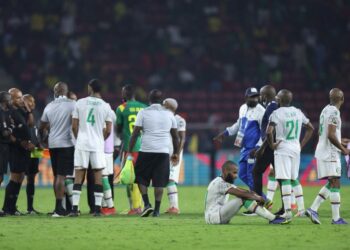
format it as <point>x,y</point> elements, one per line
<point>271,188</point>
<point>173,195</point>
<point>298,193</point>
<point>321,197</point>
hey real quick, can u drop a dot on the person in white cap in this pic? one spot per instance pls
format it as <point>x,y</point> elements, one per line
<point>171,104</point>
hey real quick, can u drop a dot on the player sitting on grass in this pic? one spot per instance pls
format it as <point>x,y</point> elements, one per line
<point>218,210</point>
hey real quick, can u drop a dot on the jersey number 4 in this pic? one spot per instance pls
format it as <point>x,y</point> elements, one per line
<point>91,117</point>
<point>293,127</point>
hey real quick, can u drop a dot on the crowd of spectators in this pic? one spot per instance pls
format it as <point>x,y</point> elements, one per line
<point>176,45</point>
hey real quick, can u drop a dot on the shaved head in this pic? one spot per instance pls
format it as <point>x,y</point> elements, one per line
<point>336,96</point>
<point>228,165</point>
<point>5,97</point>
<point>16,97</point>
<point>14,91</point>
<point>155,96</point>
<point>128,92</point>
<point>171,104</point>
<point>229,171</point>
<point>284,97</point>
<point>268,90</point>
<point>29,99</point>
<point>60,89</point>
<point>267,94</point>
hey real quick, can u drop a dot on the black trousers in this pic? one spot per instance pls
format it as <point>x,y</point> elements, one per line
<point>260,167</point>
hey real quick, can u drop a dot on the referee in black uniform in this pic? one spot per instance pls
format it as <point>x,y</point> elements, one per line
<point>20,150</point>
<point>264,155</point>
<point>6,127</point>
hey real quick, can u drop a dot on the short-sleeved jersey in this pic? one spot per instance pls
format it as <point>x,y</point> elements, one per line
<point>109,142</point>
<point>126,117</point>
<point>156,123</point>
<point>288,121</point>
<point>217,194</point>
<point>92,113</point>
<point>58,114</point>
<point>325,150</point>
<point>181,126</point>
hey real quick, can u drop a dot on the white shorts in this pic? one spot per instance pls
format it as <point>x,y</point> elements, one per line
<point>328,169</point>
<point>223,214</point>
<point>83,158</point>
<point>287,167</point>
<point>175,170</point>
<point>213,217</point>
<point>108,170</point>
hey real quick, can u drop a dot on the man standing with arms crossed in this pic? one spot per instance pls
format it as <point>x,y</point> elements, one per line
<point>91,126</point>
<point>56,122</point>
<point>156,123</point>
<point>327,153</point>
<point>126,117</point>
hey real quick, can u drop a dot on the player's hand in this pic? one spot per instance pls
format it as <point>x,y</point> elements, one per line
<point>218,138</point>
<point>12,138</point>
<point>26,106</point>
<point>275,145</point>
<point>174,159</point>
<point>345,151</point>
<point>30,146</point>
<point>260,200</point>
<point>252,153</point>
<point>259,153</point>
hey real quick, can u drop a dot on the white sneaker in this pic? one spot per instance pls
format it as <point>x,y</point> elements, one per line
<point>287,215</point>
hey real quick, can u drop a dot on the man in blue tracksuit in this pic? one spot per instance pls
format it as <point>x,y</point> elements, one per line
<point>247,131</point>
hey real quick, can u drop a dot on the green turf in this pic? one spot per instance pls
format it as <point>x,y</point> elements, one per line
<point>186,231</point>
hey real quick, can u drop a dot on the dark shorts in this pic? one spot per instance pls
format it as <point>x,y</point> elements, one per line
<point>19,159</point>
<point>62,161</point>
<point>4,158</point>
<point>152,167</point>
<point>33,166</point>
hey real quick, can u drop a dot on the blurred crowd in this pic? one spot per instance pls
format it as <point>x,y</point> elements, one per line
<point>176,44</point>
<point>212,46</point>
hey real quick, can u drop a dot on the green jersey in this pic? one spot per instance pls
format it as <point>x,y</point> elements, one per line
<point>126,117</point>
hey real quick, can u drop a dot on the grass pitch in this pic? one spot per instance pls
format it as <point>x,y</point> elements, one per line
<point>185,231</point>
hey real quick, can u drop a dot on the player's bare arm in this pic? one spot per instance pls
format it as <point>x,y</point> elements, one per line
<point>75,127</point>
<point>308,134</point>
<point>107,130</point>
<point>260,151</point>
<point>220,137</point>
<point>176,146</point>
<point>182,137</point>
<point>332,137</point>
<point>44,132</point>
<point>245,194</point>
<point>135,133</point>
<point>269,135</point>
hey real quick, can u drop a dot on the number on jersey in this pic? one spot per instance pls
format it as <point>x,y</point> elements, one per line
<point>131,120</point>
<point>293,127</point>
<point>91,117</point>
